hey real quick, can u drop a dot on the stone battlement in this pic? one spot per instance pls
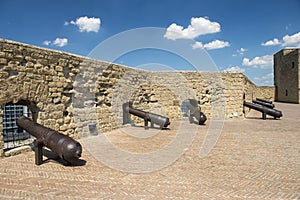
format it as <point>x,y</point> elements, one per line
<point>69,92</point>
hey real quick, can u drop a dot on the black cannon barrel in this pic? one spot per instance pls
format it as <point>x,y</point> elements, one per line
<point>264,100</point>
<point>264,110</point>
<point>138,113</point>
<point>160,120</point>
<point>68,149</point>
<point>269,105</point>
<point>194,111</point>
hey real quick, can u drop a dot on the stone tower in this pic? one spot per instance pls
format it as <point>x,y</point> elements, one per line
<point>287,75</point>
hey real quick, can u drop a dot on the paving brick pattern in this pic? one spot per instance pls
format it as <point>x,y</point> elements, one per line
<point>253,159</point>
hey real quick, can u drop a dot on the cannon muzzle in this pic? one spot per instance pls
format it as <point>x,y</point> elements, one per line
<point>160,120</point>
<point>68,149</point>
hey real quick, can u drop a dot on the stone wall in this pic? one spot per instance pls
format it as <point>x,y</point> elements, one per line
<point>265,92</point>
<point>287,75</point>
<point>73,94</point>
<point>1,134</point>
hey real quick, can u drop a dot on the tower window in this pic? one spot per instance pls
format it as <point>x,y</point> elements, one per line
<point>286,92</point>
<point>293,65</point>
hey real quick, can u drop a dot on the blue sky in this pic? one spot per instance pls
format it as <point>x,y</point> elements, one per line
<point>238,35</point>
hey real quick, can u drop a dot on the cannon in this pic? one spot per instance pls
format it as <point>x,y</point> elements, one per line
<point>264,100</point>
<point>68,149</point>
<point>153,118</point>
<point>264,110</point>
<point>194,111</point>
<point>269,105</point>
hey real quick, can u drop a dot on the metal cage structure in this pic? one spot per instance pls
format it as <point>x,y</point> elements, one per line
<point>184,109</point>
<point>13,135</point>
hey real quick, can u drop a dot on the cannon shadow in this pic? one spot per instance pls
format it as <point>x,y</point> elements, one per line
<point>52,157</point>
<point>267,118</point>
<point>152,127</point>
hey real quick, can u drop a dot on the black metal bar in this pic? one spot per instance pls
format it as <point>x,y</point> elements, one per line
<point>38,154</point>
<point>146,123</point>
<point>126,115</point>
<point>264,115</point>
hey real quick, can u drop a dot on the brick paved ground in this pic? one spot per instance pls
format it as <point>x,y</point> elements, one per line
<point>253,159</point>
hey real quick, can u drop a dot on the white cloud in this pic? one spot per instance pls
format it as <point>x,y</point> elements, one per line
<point>198,45</point>
<point>293,40</point>
<point>235,69</point>
<point>240,51</point>
<point>47,42</point>
<point>86,24</point>
<point>267,79</point>
<point>199,26</point>
<point>216,44</point>
<point>273,42</point>
<point>262,62</point>
<point>60,42</point>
